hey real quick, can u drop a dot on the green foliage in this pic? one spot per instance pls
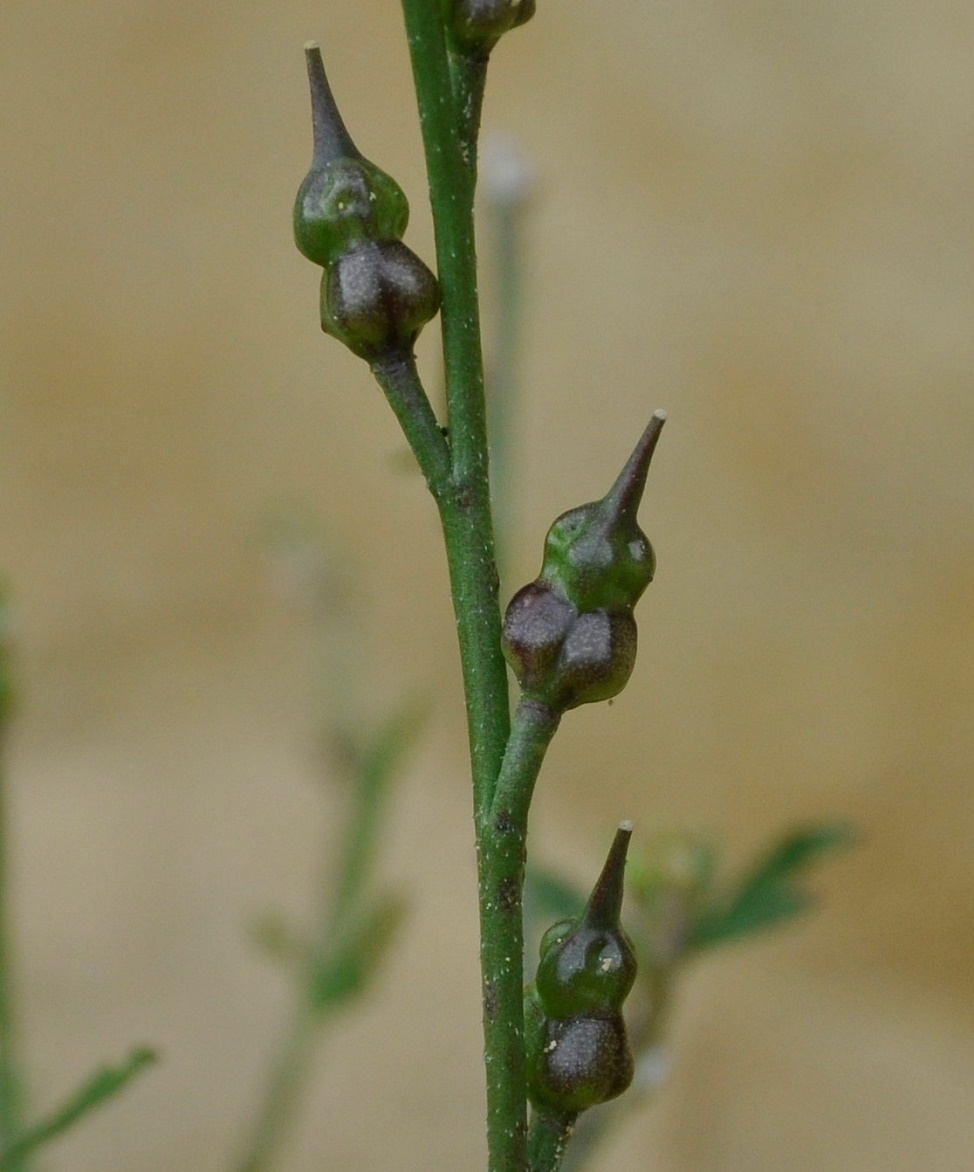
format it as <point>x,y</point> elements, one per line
<point>770,893</point>
<point>345,973</point>
<point>95,1091</point>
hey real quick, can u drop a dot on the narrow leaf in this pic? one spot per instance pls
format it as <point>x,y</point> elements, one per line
<point>347,972</point>
<point>770,894</point>
<point>101,1086</point>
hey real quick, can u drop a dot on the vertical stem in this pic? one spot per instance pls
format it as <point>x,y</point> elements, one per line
<point>272,1123</point>
<point>466,514</point>
<point>9,1078</point>
<point>501,842</point>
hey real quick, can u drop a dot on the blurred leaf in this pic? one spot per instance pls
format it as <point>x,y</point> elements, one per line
<point>548,898</point>
<point>551,896</point>
<point>770,894</point>
<point>346,973</point>
<point>275,937</point>
<point>392,742</point>
<point>100,1087</point>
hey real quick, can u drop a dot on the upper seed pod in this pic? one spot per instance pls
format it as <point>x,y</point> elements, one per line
<point>578,1051</point>
<point>596,555</point>
<point>349,217</point>
<point>477,25</point>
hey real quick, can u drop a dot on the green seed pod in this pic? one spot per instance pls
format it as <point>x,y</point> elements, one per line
<point>596,555</point>
<point>477,25</point>
<point>570,636</point>
<point>577,1048</point>
<point>349,217</point>
<point>345,199</point>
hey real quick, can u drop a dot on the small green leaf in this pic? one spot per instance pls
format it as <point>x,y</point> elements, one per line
<point>393,741</point>
<point>770,894</point>
<point>549,897</point>
<point>101,1086</point>
<point>345,974</point>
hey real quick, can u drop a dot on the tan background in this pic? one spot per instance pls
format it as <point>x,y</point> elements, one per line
<point>759,216</point>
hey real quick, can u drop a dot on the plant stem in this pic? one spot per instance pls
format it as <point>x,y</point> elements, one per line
<point>465,511</point>
<point>401,385</point>
<point>10,1122</point>
<point>288,1079</point>
<point>547,1140</point>
<point>501,842</point>
<point>504,770</point>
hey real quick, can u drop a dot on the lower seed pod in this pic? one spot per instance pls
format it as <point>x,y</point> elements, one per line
<point>377,297</point>
<point>577,1049</point>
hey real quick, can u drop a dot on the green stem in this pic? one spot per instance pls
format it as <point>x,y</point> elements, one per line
<point>339,903</point>
<point>399,380</point>
<point>451,184</point>
<point>501,842</point>
<point>504,771</point>
<point>285,1088</point>
<point>547,1140</point>
<point>10,1121</point>
<point>468,73</point>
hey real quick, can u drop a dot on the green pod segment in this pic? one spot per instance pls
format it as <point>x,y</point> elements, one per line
<point>345,199</point>
<point>596,555</point>
<point>577,1048</point>
<point>570,636</point>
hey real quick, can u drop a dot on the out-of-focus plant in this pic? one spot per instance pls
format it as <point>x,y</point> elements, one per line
<point>336,957</point>
<point>20,1139</point>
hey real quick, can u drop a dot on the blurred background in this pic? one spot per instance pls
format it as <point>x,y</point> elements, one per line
<point>758,216</point>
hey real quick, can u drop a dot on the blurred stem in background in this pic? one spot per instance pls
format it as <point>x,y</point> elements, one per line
<point>18,1140</point>
<point>507,184</point>
<point>10,1073</point>
<point>352,925</point>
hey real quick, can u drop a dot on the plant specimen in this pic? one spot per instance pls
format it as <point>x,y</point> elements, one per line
<point>569,637</point>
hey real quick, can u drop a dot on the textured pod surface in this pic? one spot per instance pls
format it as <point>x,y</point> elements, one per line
<point>577,1063</point>
<point>477,25</point>
<point>376,298</point>
<point>597,657</point>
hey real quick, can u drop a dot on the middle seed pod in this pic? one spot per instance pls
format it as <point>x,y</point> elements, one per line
<point>570,636</point>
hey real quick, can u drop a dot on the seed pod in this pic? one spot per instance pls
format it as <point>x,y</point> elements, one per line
<point>377,297</point>
<point>563,657</point>
<point>596,555</point>
<point>577,1047</point>
<point>477,25</point>
<point>570,635</point>
<point>349,217</point>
